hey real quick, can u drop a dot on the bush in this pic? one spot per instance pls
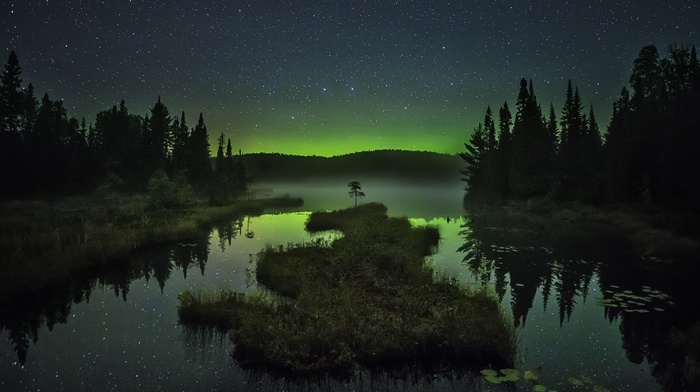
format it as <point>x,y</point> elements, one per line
<point>166,194</point>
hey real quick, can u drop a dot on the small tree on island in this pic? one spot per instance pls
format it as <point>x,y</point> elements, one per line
<point>355,190</point>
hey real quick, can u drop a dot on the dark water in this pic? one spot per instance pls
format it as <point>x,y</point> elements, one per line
<point>601,316</point>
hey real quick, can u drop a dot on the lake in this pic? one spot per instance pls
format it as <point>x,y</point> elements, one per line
<point>603,318</point>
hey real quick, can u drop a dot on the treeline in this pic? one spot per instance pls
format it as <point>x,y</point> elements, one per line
<point>409,166</point>
<point>44,152</point>
<point>647,155</point>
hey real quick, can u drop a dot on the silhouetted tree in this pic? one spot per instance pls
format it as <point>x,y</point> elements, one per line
<point>157,138</point>
<point>181,136</point>
<point>199,171</point>
<point>505,148</point>
<point>355,190</point>
<point>533,152</point>
<point>475,163</point>
<point>11,95</point>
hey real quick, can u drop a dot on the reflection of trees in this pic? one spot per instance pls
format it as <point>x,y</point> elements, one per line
<point>571,280</point>
<point>668,340</point>
<point>497,247</point>
<point>227,232</point>
<point>25,316</point>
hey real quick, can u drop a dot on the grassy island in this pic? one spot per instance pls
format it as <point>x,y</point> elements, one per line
<point>367,300</point>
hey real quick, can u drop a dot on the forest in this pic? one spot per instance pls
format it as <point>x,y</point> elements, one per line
<point>646,156</point>
<point>44,153</point>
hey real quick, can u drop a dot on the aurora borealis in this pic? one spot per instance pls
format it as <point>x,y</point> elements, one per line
<point>333,77</point>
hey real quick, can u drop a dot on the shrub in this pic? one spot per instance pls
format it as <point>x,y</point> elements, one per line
<point>166,194</point>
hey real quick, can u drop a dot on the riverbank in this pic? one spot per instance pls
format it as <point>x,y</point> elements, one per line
<point>367,300</point>
<point>43,243</point>
<point>651,233</point>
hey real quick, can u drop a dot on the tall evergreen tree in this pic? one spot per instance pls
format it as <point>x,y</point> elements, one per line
<point>474,160</point>
<point>181,135</point>
<point>647,92</point>
<point>30,107</point>
<point>199,171</point>
<point>530,171</point>
<point>619,151</point>
<point>505,149</point>
<point>156,139</point>
<point>11,95</point>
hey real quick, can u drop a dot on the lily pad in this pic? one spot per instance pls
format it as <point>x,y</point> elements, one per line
<point>539,388</point>
<point>530,376</point>
<point>512,376</point>
<point>489,372</point>
<point>494,379</point>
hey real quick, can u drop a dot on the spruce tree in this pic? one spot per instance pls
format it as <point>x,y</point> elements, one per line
<point>474,160</point>
<point>159,139</point>
<point>199,170</point>
<point>10,95</point>
<point>505,143</point>
<point>180,161</point>
<point>531,165</point>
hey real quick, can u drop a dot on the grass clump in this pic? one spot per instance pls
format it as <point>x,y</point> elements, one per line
<point>368,300</point>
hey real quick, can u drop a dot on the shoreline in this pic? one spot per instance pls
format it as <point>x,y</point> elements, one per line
<point>44,244</point>
<point>642,230</point>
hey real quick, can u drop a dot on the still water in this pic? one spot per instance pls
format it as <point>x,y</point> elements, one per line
<point>602,319</point>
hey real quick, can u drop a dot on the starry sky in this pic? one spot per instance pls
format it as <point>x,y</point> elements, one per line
<point>332,77</point>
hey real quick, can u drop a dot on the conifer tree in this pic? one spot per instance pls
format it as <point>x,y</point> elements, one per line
<point>10,95</point>
<point>158,139</point>
<point>505,143</point>
<point>532,161</point>
<point>180,161</point>
<point>29,112</point>
<point>199,171</point>
<point>474,159</point>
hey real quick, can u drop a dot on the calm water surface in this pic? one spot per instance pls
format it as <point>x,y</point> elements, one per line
<point>590,317</point>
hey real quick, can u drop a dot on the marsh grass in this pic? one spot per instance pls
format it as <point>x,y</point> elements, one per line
<point>369,300</point>
<point>43,243</point>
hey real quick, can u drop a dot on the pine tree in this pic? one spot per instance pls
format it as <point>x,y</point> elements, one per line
<point>619,151</point>
<point>10,95</point>
<point>475,159</point>
<point>159,138</point>
<point>505,145</point>
<point>530,172</point>
<point>199,171</point>
<point>490,129</point>
<point>29,112</point>
<point>646,102</point>
<point>180,161</point>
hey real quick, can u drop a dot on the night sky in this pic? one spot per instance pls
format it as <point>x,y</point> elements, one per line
<point>332,77</point>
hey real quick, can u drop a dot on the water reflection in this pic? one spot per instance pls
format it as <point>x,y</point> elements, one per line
<point>651,299</point>
<point>587,281</point>
<point>24,318</point>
